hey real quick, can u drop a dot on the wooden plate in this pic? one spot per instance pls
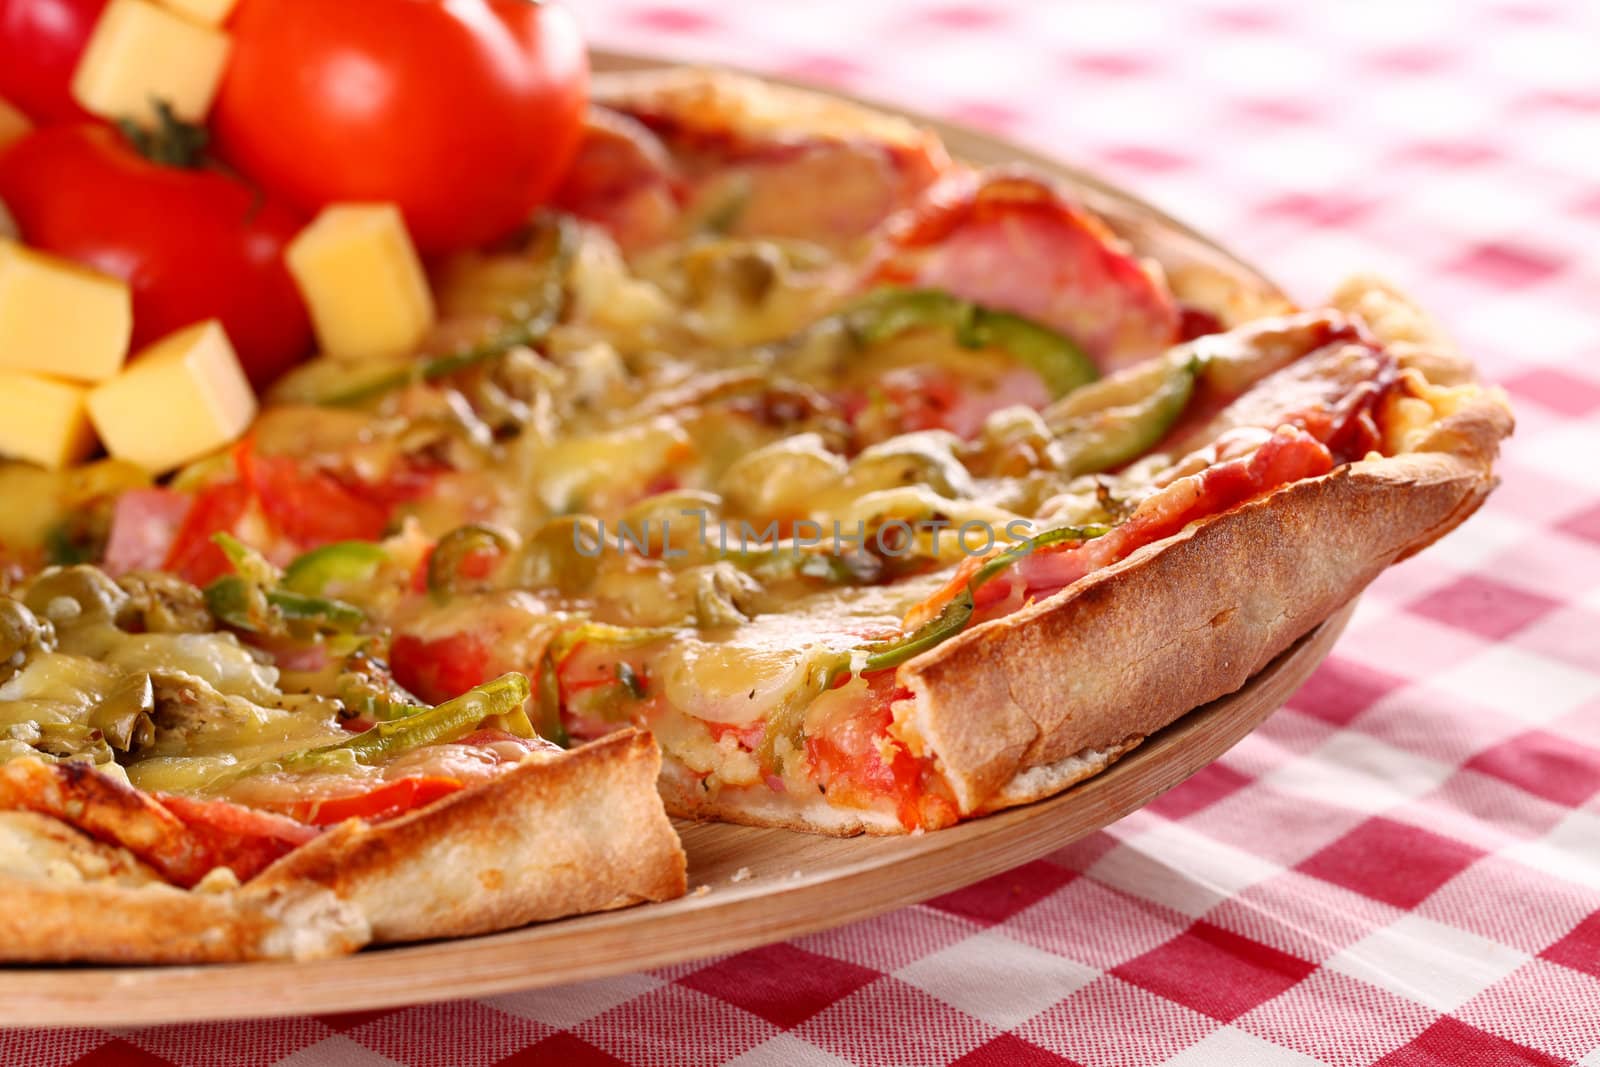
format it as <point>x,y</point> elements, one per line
<point>760,885</point>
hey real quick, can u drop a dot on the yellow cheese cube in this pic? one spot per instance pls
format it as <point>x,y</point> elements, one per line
<point>58,318</point>
<point>140,53</point>
<point>210,12</point>
<point>13,124</point>
<point>180,398</point>
<point>360,276</point>
<point>43,420</point>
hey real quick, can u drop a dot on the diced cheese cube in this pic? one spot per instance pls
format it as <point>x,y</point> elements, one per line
<point>13,124</point>
<point>210,12</point>
<point>181,397</point>
<point>59,318</point>
<point>140,53</point>
<point>361,278</point>
<point>43,420</point>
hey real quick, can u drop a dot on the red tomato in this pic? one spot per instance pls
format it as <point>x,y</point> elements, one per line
<point>442,668</point>
<point>144,525</point>
<point>303,509</point>
<point>193,244</point>
<point>242,839</point>
<point>192,556</point>
<point>848,758</point>
<point>310,507</point>
<point>384,802</point>
<point>42,40</point>
<point>465,114</point>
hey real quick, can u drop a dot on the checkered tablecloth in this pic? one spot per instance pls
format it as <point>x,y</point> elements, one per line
<point>1401,867</point>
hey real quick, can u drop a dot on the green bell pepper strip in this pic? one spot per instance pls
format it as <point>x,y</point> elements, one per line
<point>247,562</point>
<point>1121,417</point>
<point>882,655</point>
<point>243,605</point>
<point>888,313</point>
<point>450,721</point>
<point>530,329</point>
<point>547,704</point>
<point>344,561</point>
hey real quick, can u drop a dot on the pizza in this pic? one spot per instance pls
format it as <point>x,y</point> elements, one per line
<point>779,469</point>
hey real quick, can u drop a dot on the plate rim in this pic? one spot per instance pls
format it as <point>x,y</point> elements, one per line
<point>744,916</point>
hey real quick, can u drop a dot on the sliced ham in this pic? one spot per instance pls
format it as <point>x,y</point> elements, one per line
<point>1013,241</point>
<point>144,524</point>
<point>764,160</point>
<point>623,179</point>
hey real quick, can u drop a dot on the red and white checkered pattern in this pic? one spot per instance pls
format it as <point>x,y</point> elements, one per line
<point>1402,867</point>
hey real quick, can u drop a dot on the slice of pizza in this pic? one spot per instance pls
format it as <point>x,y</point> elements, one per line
<point>167,794</point>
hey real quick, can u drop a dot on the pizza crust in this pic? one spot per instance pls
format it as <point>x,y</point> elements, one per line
<point>1230,593</point>
<point>71,897</point>
<point>583,831</point>
<point>685,798</point>
<point>746,108</point>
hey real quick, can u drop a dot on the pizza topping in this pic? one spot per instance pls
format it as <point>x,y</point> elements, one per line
<point>1011,241</point>
<point>449,721</point>
<point>341,563</point>
<point>623,179</point>
<point>749,173</point>
<point>888,313</point>
<point>253,600</point>
<point>467,554</point>
<point>958,608</point>
<point>1119,418</point>
<point>1330,393</point>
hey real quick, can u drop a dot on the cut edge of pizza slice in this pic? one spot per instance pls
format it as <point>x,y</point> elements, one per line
<point>1081,648</point>
<point>242,844</point>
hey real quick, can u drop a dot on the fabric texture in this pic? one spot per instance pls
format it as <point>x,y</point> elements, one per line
<point>1402,866</point>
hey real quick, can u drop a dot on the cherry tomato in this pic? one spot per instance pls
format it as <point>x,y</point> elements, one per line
<point>193,244</point>
<point>464,113</point>
<point>42,40</point>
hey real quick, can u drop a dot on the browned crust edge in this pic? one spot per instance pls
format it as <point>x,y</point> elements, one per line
<point>46,922</point>
<point>1087,668</point>
<point>582,832</point>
